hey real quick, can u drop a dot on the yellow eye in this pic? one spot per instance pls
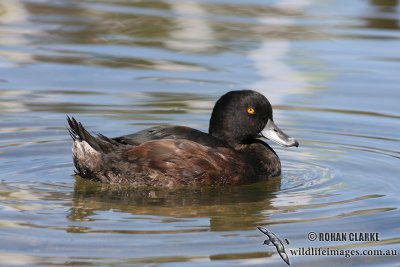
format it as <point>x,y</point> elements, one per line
<point>251,110</point>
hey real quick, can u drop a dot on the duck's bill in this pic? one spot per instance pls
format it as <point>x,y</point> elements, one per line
<point>273,133</point>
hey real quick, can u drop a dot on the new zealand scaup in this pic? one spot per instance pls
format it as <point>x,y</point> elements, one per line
<point>175,156</point>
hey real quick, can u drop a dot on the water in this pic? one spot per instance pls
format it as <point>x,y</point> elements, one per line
<point>330,69</point>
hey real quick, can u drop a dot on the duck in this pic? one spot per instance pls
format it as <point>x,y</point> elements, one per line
<point>231,153</point>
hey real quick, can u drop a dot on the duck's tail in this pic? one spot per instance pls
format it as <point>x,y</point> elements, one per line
<point>88,150</point>
<point>78,133</point>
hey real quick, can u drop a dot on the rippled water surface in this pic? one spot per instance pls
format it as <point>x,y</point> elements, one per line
<point>330,69</point>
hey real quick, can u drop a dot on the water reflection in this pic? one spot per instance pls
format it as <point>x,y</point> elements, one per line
<point>192,32</point>
<point>384,14</point>
<point>13,14</point>
<point>282,79</point>
<point>385,5</point>
<point>232,208</point>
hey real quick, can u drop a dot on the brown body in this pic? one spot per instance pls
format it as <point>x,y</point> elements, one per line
<point>174,163</point>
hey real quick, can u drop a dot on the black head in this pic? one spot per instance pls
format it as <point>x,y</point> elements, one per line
<point>239,117</point>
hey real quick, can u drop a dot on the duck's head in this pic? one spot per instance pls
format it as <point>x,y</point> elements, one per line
<point>239,117</point>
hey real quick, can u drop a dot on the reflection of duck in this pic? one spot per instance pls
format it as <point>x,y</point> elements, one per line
<point>181,156</point>
<point>243,205</point>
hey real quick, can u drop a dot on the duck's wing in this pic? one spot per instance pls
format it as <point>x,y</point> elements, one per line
<point>178,162</point>
<point>172,160</point>
<point>167,132</point>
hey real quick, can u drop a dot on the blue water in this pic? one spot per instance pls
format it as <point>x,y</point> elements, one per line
<point>330,69</point>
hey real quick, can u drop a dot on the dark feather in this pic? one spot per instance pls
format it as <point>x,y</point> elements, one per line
<point>79,133</point>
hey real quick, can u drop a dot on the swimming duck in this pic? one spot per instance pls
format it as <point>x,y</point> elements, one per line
<point>231,153</point>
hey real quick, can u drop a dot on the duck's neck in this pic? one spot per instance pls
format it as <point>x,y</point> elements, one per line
<point>222,138</point>
<point>227,134</point>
